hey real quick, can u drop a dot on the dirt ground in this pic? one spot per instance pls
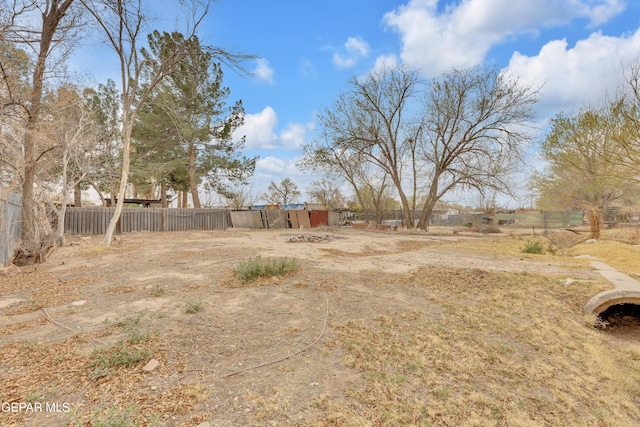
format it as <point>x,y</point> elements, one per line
<point>55,315</point>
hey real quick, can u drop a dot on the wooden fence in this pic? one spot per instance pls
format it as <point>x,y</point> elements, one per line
<point>92,220</point>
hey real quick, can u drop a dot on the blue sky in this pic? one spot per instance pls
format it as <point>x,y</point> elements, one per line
<point>575,49</point>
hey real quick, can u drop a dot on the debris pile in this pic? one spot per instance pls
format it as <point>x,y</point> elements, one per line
<point>301,238</point>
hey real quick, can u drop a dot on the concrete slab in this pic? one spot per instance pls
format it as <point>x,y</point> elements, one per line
<point>626,290</point>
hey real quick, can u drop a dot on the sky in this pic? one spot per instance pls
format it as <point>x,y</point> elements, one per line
<point>575,50</point>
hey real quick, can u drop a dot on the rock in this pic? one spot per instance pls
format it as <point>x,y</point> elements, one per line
<point>79,303</point>
<point>204,424</point>
<point>151,365</point>
<point>590,241</point>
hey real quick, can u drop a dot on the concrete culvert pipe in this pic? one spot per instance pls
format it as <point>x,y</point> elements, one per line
<point>626,291</point>
<point>620,316</point>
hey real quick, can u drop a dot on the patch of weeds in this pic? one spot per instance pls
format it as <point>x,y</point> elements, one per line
<point>122,354</point>
<point>116,417</point>
<point>193,307</point>
<point>33,397</point>
<point>138,337</point>
<point>254,268</point>
<point>126,324</point>
<point>533,247</point>
<point>157,291</point>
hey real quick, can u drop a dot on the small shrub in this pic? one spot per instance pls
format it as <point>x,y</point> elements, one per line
<point>158,291</point>
<point>257,267</point>
<point>117,417</point>
<point>533,247</point>
<point>121,354</point>
<point>193,307</point>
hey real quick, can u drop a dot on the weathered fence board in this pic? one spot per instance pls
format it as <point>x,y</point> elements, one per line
<point>276,218</point>
<point>92,220</point>
<point>299,219</point>
<point>10,212</point>
<point>247,219</point>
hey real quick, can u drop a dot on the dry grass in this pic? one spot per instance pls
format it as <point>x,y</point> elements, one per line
<point>508,349</point>
<point>509,245</point>
<point>630,235</point>
<point>621,256</point>
<point>439,346</point>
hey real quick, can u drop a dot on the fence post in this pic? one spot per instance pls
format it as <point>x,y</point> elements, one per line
<point>163,219</point>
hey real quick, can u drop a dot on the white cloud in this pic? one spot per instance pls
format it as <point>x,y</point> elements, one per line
<point>273,166</point>
<point>263,72</point>
<point>258,129</point>
<point>601,11</point>
<point>385,61</point>
<point>307,69</point>
<point>260,133</point>
<point>293,136</point>
<point>461,35</point>
<point>573,77</point>
<point>356,49</point>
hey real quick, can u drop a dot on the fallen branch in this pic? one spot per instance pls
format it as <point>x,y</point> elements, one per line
<point>55,322</point>
<point>282,359</point>
<point>573,231</point>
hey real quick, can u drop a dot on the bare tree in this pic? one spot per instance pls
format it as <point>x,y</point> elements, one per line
<point>370,121</point>
<point>46,30</point>
<point>238,197</point>
<point>327,193</point>
<point>370,185</point>
<point>282,193</point>
<point>70,125</point>
<point>475,125</point>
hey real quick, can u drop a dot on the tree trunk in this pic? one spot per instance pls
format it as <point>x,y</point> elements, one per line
<point>32,242</point>
<point>193,182</point>
<point>163,194</point>
<point>77,195</point>
<point>185,199</point>
<point>595,221</point>
<point>406,212</point>
<point>124,179</point>
<point>61,212</point>
<point>427,208</point>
